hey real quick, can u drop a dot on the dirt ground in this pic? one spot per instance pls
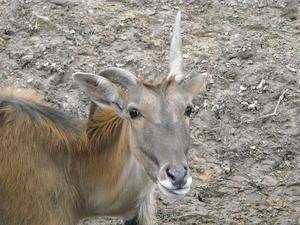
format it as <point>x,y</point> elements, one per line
<point>245,133</point>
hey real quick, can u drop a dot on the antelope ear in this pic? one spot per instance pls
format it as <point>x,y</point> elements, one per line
<point>194,85</point>
<point>101,91</point>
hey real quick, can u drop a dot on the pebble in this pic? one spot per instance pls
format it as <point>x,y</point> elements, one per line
<point>290,68</point>
<point>243,103</point>
<point>41,21</point>
<point>246,54</point>
<point>26,59</point>
<point>252,105</point>
<point>150,12</point>
<point>242,88</point>
<point>226,166</point>
<point>57,78</point>
<point>30,80</point>
<point>261,84</point>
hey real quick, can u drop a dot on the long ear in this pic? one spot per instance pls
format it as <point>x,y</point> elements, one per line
<point>101,91</point>
<point>194,85</point>
<point>175,57</point>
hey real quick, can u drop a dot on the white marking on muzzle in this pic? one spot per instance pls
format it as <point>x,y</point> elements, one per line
<point>168,188</point>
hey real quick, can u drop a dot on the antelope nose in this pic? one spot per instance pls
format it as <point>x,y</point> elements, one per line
<point>177,175</point>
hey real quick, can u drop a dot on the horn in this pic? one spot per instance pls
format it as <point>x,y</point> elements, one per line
<point>175,58</point>
<point>116,75</point>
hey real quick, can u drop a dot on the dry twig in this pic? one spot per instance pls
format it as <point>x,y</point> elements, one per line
<point>274,113</point>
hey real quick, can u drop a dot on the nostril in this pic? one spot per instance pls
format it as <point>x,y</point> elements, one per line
<point>170,173</point>
<point>185,169</point>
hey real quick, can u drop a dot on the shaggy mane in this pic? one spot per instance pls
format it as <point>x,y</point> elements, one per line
<point>104,126</point>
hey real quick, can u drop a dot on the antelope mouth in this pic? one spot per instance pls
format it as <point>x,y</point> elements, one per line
<point>171,191</point>
<point>174,192</point>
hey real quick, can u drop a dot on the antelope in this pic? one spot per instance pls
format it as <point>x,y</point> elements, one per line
<point>55,169</point>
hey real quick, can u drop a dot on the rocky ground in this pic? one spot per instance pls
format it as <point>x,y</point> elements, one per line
<point>246,131</point>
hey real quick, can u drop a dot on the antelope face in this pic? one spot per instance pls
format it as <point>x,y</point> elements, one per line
<point>158,114</point>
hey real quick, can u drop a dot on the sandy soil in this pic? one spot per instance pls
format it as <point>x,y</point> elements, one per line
<point>246,132</point>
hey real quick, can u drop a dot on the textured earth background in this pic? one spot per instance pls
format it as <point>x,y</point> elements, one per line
<point>246,131</point>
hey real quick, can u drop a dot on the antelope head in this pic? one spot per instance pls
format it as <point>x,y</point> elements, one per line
<point>158,114</point>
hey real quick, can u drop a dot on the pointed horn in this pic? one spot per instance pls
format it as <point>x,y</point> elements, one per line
<point>175,58</point>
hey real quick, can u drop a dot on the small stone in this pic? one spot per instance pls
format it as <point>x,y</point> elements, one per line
<point>35,39</point>
<point>242,88</point>
<point>243,103</point>
<point>215,108</point>
<point>252,105</point>
<point>26,59</point>
<point>38,85</point>
<point>62,3</point>
<point>30,80</point>
<point>261,84</point>
<point>186,56</point>
<point>226,167</point>
<point>41,22</point>
<point>65,105</point>
<point>120,64</point>
<point>253,147</point>
<point>150,12</point>
<point>290,68</point>
<point>57,78</point>
<point>246,54</point>
<point>230,74</point>
<point>39,66</point>
<point>9,31</point>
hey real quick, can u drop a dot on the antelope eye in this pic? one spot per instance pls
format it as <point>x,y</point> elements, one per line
<point>188,110</point>
<point>134,113</point>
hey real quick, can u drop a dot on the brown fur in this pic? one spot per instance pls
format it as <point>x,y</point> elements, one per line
<point>26,94</point>
<point>107,144</point>
<point>42,162</point>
